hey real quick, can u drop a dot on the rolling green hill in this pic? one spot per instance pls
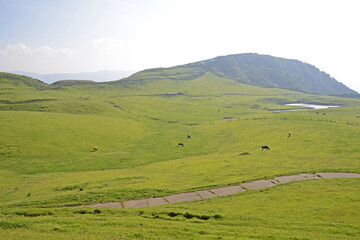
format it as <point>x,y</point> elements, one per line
<point>47,159</point>
<point>71,82</point>
<point>254,69</point>
<point>9,79</point>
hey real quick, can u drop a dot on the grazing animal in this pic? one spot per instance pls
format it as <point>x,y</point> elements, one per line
<point>265,147</point>
<point>95,149</point>
<point>188,136</point>
<point>289,134</point>
<point>180,144</point>
<point>324,113</point>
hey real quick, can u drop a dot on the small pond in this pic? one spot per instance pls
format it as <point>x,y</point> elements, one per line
<point>306,106</point>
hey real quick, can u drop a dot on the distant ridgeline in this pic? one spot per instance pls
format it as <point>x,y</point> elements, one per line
<point>21,80</point>
<point>254,69</point>
<point>249,68</point>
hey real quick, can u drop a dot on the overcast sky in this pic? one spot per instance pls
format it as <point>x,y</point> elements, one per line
<point>70,36</point>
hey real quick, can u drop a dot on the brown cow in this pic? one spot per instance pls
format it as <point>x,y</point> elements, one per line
<point>95,149</point>
<point>180,144</point>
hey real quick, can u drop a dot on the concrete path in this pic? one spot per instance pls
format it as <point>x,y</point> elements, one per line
<point>223,191</point>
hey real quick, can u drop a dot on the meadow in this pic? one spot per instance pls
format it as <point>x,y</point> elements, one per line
<point>47,160</point>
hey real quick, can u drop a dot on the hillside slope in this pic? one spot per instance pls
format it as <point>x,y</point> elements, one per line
<point>19,80</point>
<point>253,69</point>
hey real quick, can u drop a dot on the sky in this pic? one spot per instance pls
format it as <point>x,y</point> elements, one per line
<point>72,36</point>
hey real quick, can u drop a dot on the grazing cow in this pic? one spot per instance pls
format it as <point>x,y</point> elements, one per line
<point>289,134</point>
<point>188,136</point>
<point>265,147</point>
<point>95,149</point>
<point>324,113</point>
<point>180,144</point>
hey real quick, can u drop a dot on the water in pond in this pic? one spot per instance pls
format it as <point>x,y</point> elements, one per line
<point>313,106</point>
<point>307,107</point>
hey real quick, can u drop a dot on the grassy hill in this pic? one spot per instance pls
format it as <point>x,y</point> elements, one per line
<point>47,136</point>
<point>254,69</point>
<point>13,80</point>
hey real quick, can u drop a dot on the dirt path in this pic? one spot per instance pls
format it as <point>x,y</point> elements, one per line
<point>223,191</point>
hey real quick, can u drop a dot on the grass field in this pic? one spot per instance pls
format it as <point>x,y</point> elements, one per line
<point>47,160</point>
<point>318,209</point>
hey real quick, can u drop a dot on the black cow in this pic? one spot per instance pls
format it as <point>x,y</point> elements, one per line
<point>188,136</point>
<point>180,144</point>
<point>265,147</point>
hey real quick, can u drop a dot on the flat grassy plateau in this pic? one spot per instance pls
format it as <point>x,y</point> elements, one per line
<point>47,161</point>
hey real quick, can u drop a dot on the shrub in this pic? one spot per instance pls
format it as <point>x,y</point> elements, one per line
<point>244,153</point>
<point>97,211</point>
<point>173,214</point>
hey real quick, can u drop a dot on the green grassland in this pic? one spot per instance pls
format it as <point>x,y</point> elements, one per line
<point>319,209</point>
<point>46,159</point>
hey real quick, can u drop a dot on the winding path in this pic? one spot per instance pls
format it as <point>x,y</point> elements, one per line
<point>223,191</point>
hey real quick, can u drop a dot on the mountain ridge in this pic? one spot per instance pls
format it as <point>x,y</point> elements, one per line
<point>254,69</point>
<point>248,68</point>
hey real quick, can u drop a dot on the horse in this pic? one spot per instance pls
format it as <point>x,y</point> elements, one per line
<point>265,147</point>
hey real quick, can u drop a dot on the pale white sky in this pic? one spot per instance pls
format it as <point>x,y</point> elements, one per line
<point>70,36</point>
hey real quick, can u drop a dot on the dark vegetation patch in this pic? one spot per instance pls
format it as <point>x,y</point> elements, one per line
<point>8,149</point>
<point>72,187</point>
<point>190,216</point>
<point>34,213</point>
<point>172,122</point>
<point>97,211</point>
<point>26,101</point>
<point>187,215</point>
<point>156,119</point>
<point>244,153</point>
<point>83,211</point>
<point>116,106</point>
